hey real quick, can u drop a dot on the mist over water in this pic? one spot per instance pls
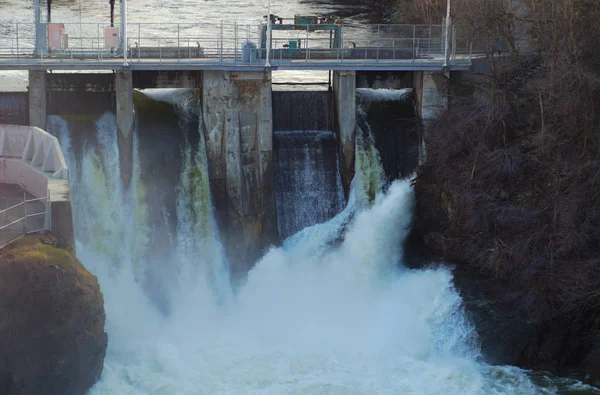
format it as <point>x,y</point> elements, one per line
<point>332,311</point>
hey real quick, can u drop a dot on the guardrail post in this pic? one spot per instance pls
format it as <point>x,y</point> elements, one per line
<point>25,215</point>
<point>98,35</point>
<point>48,221</point>
<point>221,52</point>
<point>178,43</point>
<point>414,55</point>
<point>453,44</point>
<point>139,41</point>
<point>235,42</point>
<point>17,40</point>
<point>307,56</point>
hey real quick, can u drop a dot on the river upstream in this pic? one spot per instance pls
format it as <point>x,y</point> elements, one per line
<point>332,311</point>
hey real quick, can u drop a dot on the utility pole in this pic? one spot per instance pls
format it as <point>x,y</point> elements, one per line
<point>267,64</point>
<point>49,3</point>
<point>112,12</point>
<point>124,30</point>
<point>40,28</point>
<point>446,47</point>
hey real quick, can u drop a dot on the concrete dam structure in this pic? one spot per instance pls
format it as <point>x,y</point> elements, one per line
<point>266,151</point>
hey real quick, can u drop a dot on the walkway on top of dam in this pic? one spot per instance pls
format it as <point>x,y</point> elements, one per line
<point>232,47</point>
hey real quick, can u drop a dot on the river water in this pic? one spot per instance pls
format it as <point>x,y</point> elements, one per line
<point>332,311</point>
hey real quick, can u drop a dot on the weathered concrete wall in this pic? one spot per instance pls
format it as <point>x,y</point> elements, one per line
<point>238,128</point>
<point>125,123</point>
<point>14,108</point>
<point>167,79</point>
<point>344,87</point>
<point>384,79</point>
<point>32,159</point>
<point>80,94</point>
<point>431,93</point>
<point>431,96</point>
<point>37,98</point>
<point>61,214</point>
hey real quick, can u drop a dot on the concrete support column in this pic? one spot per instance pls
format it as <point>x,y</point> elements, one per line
<point>344,87</point>
<point>238,119</point>
<point>431,95</point>
<point>37,99</point>
<point>125,123</point>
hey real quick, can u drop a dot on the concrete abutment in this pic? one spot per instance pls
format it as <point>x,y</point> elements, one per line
<point>238,128</point>
<point>431,97</point>
<point>237,123</point>
<point>37,99</point>
<point>125,123</point>
<point>344,87</point>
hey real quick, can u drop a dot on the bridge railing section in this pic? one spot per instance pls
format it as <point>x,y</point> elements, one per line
<point>22,217</point>
<point>238,43</point>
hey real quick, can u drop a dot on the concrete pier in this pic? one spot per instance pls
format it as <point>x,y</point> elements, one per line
<point>431,96</point>
<point>237,115</point>
<point>125,123</point>
<point>344,87</point>
<point>37,99</point>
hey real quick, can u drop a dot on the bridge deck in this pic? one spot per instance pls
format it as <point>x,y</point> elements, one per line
<point>234,47</point>
<point>431,64</point>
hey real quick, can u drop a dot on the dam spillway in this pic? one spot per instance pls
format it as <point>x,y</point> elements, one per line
<point>308,187</point>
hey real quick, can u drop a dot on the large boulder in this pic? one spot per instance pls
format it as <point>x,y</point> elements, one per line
<point>51,320</point>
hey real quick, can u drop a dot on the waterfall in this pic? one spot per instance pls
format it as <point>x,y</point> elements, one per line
<point>389,119</point>
<point>307,183</point>
<point>336,317</point>
<point>308,188</point>
<point>110,220</point>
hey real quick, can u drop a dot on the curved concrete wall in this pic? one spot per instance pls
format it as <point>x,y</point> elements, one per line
<point>32,159</point>
<point>34,147</point>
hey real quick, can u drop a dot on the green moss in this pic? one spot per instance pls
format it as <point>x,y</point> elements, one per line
<point>152,108</point>
<point>31,249</point>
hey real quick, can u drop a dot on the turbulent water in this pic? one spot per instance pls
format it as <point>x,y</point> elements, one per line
<point>333,311</point>
<point>308,188</point>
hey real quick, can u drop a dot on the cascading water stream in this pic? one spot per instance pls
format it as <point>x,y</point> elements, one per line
<point>342,317</point>
<point>389,119</point>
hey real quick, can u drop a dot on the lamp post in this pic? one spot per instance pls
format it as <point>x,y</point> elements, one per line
<point>112,12</point>
<point>446,51</point>
<point>267,64</point>
<point>124,30</point>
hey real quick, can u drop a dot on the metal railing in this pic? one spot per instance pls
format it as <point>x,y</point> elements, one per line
<point>239,44</point>
<point>23,218</point>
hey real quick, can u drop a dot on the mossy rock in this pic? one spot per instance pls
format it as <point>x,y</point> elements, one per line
<point>51,320</point>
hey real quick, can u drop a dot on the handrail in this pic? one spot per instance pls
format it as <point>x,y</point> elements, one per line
<point>11,207</point>
<point>224,42</point>
<point>13,236</point>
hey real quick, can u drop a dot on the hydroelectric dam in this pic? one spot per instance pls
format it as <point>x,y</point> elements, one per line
<point>251,134</point>
<point>240,195</point>
<point>248,131</point>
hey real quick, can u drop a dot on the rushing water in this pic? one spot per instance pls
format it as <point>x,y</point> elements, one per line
<point>333,311</point>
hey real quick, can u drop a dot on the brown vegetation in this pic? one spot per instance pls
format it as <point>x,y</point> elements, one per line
<point>518,175</point>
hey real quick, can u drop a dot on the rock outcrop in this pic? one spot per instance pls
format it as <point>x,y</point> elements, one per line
<point>51,320</point>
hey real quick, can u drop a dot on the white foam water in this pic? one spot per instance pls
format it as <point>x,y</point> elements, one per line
<point>368,94</point>
<point>349,320</point>
<point>337,318</point>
